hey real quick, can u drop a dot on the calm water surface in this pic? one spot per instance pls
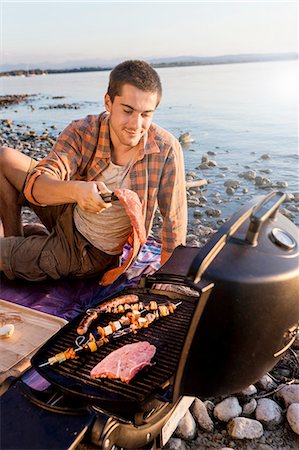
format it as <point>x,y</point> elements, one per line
<point>238,111</point>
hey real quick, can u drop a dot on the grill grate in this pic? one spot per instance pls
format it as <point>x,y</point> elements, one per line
<point>167,334</point>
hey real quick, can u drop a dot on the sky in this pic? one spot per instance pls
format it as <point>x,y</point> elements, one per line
<point>63,33</point>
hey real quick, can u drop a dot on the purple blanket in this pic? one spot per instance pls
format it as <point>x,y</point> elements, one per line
<point>68,298</point>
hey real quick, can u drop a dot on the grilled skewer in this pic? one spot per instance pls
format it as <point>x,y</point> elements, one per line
<point>92,314</point>
<point>133,321</point>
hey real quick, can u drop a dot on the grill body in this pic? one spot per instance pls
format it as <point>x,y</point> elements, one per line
<point>239,316</point>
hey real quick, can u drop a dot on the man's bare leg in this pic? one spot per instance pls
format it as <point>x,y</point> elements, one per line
<point>14,166</point>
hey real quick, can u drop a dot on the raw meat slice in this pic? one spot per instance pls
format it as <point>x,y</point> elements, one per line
<point>133,208</point>
<point>125,362</point>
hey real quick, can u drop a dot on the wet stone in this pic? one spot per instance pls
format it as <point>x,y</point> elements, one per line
<point>269,413</point>
<point>250,175</point>
<point>201,416</point>
<point>266,383</point>
<point>203,166</point>
<point>213,212</point>
<point>232,183</point>
<point>249,407</point>
<point>289,394</point>
<point>244,428</point>
<point>230,190</point>
<point>227,409</point>
<point>186,428</point>
<point>293,417</point>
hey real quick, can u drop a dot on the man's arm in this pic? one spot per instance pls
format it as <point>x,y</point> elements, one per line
<point>47,190</point>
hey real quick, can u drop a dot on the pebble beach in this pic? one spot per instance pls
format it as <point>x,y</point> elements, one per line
<point>265,416</point>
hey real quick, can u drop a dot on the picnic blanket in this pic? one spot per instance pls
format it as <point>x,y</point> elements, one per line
<point>68,298</point>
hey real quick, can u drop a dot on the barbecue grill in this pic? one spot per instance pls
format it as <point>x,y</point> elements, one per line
<point>237,315</point>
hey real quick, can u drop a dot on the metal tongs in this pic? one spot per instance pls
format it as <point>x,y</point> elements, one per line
<point>109,197</point>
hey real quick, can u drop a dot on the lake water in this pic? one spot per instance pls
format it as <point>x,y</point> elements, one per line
<point>238,111</point>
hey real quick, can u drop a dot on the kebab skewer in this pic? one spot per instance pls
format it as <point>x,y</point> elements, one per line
<point>92,314</point>
<point>131,322</point>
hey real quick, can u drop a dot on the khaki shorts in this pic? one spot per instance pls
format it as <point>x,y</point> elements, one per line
<point>63,253</point>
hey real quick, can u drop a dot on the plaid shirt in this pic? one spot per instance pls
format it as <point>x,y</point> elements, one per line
<point>157,174</point>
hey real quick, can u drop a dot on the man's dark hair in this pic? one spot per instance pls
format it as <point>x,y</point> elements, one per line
<point>137,73</point>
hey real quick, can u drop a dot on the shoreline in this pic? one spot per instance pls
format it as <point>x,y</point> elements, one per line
<point>168,62</point>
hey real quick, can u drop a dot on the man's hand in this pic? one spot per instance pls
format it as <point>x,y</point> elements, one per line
<point>89,196</point>
<point>47,190</point>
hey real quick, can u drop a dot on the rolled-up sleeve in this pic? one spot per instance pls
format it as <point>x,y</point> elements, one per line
<point>61,163</point>
<point>172,200</point>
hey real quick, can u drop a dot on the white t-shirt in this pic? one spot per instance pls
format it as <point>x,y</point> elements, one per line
<point>109,230</point>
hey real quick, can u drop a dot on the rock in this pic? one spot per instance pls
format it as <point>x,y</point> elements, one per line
<point>293,417</point>
<point>250,390</point>
<point>282,184</point>
<point>203,166</point>
<point>287,213</point>
<point>191,237</point>
<point>7,123</point>
<point>185,138</point>
<point>227,409</point>
<point>175,444</point>
<point>204,159</point>
<point>264,447</point>
<point>217,201</point>
<point>249,407</point>
<point>213,212</point>
<point>200,414</point>
<point>211,153</point>
<point>266,383</point>
<point>202,231</point>
<point>265,156</point>
<point>289,394</point>
<point>268,412</point>
<point>293,208</point>
<point>232,183</point>
<point>244,428</point>
<point>192,202</point>
<point>267,171</point>
<point>212,163</point>
<point>186,428</point>
<point>248,175</point>
<point>209,406</point>
<point>262,181</point>
<point>202,199</point>
<point>197,213</point>
<point>230,191</point>
<point>245,190</point>
<point>191,174</point>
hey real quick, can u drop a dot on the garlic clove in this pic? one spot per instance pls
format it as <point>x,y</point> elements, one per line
<point>7,330</point>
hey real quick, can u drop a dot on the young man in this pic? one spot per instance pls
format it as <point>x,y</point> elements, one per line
<point>119,148</point>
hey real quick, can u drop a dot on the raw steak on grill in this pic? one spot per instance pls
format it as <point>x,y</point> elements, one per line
<point>125,362</point>
<point>133,208</point>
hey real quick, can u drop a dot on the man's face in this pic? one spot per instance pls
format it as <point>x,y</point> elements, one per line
<point>131,115</point>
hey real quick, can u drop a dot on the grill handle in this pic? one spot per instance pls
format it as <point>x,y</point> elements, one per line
<point>266,209</point>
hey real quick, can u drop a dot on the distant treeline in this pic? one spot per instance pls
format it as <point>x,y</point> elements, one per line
<point>171,62</point>
<point>28,73</point>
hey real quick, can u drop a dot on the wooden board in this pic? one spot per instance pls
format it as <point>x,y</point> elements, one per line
<point>32,329</point>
